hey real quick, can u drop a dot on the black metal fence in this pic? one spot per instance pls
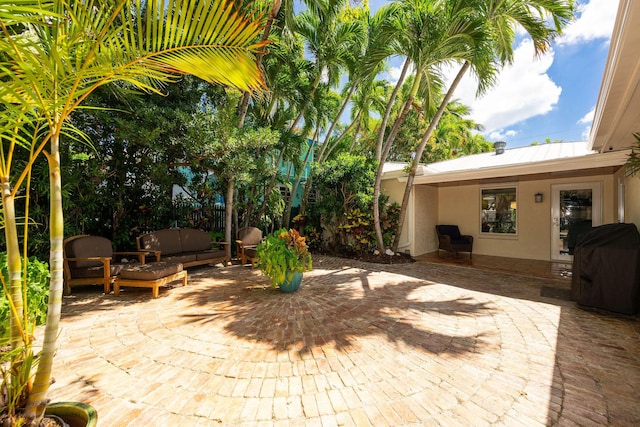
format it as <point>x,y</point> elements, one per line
<point>194,215</point>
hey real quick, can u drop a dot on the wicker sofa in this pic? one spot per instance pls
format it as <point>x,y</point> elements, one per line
<point>186,246</point>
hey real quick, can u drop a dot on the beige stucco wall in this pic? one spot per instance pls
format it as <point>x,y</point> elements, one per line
<point>426,218</point>
<point>632,200</point>
<point>418,235</point>
<point>395,190</point>
<point>461,205</point>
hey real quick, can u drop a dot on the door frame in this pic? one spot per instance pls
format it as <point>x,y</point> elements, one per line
<point>596,212</point>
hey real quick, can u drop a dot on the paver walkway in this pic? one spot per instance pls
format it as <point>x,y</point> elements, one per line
<point>359,344</point>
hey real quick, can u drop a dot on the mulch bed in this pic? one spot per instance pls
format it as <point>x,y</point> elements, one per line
<point>399,258</point>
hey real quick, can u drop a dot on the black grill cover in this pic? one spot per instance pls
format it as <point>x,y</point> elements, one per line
<point>606,269</point>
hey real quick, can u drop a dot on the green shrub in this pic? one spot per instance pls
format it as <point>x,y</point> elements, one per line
<point>37,293</point>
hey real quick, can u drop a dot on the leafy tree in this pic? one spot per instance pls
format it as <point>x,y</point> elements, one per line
<point>54,55</point>
<point>219,146</point>
<point>343,185</point>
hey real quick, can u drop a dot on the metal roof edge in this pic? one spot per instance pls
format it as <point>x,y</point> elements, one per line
<point>594,160</point>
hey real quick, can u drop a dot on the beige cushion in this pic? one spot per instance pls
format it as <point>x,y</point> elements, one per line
<point>186,258</point>
<point>194,240</point>
<point>95,272</point>
<point>88,247</point>
<point>166,241</point>
<point>153,271</point>
<point>211,254</point>
<point>250,236</point>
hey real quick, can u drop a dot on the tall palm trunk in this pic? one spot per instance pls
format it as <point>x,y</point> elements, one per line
<point>13,265</point>
<point>228,214</point>
<point>312,92</point>
<point>355,135</point>
<point>385,153</point>
<point>272,181</point>
<point>420,150</point>
<point>346,132</point>
<point>337,119</point>
<point>38,396</point>
<point>387,111</point>
<point>294,189</point>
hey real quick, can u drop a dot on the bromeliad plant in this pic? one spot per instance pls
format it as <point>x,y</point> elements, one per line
<point>283,253</point>
<point>53,55</point>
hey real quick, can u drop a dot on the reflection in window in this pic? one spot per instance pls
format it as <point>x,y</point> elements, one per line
<point>499,210</point>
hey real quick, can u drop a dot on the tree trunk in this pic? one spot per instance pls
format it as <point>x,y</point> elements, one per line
<point>387,111</point>
<point>335,121</point>
<point>294,189</point>
<point>327,153</point>
<point>38,397</point>
<point>14,266</point>
<point>269,188</point>
<point>420,150</point>
<point>383,158</point>
<point>228,215</point>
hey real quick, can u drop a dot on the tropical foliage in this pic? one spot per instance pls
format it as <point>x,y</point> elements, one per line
<point>632,166</point>
<point>37,274</point>
<point>282,253</point>
<point>95,88</point>
<point>54,55</point>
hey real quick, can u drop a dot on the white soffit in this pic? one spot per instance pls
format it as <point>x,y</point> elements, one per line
<point>617,113</point>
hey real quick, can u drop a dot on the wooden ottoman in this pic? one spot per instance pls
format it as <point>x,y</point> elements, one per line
<point>151,275</point>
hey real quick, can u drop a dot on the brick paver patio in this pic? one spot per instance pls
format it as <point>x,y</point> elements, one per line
<point>359,344</point>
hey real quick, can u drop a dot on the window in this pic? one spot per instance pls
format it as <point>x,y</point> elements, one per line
<point>499,207</point>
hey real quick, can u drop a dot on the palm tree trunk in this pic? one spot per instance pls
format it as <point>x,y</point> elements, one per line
<point>420,150</point>
<point>272,183</point>
<point>323,156</point>
<point>13,265</point>
<point>387,111</point>
<point>312,92</point>
<point>38,397</point>
<point>294,189</point>
<point>335,121</point>
<point>228,215</point>
<point>355,134</point>
<point>383,158</point>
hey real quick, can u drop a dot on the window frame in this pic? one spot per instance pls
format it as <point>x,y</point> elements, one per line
<point>504,188</point>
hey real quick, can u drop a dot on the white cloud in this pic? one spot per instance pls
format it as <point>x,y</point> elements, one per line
<point>501,135</point>
<point>588,120</point>
<point>393,73</point>
<point>523,90</point>
<point>595,21</point>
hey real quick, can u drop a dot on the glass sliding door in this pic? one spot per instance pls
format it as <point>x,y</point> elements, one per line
<point>575,208</point>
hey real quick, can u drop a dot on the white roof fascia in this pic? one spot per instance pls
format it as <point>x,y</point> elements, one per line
<point>616,158</point>
<point>615,118</point>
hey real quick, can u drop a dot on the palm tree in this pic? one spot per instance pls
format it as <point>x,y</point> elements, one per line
<point>542,20</point>
<point>329,41</point>
<point>54,55</point>
<point>366,62</point>
<point>435,33</point>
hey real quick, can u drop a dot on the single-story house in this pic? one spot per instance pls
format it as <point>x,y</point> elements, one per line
<point>522,202</point>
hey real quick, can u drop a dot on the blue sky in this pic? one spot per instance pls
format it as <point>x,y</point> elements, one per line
<point>549,97</point>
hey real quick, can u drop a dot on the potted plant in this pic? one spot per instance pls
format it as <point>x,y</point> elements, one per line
<point>54,55</point>
<point>283,256</point>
